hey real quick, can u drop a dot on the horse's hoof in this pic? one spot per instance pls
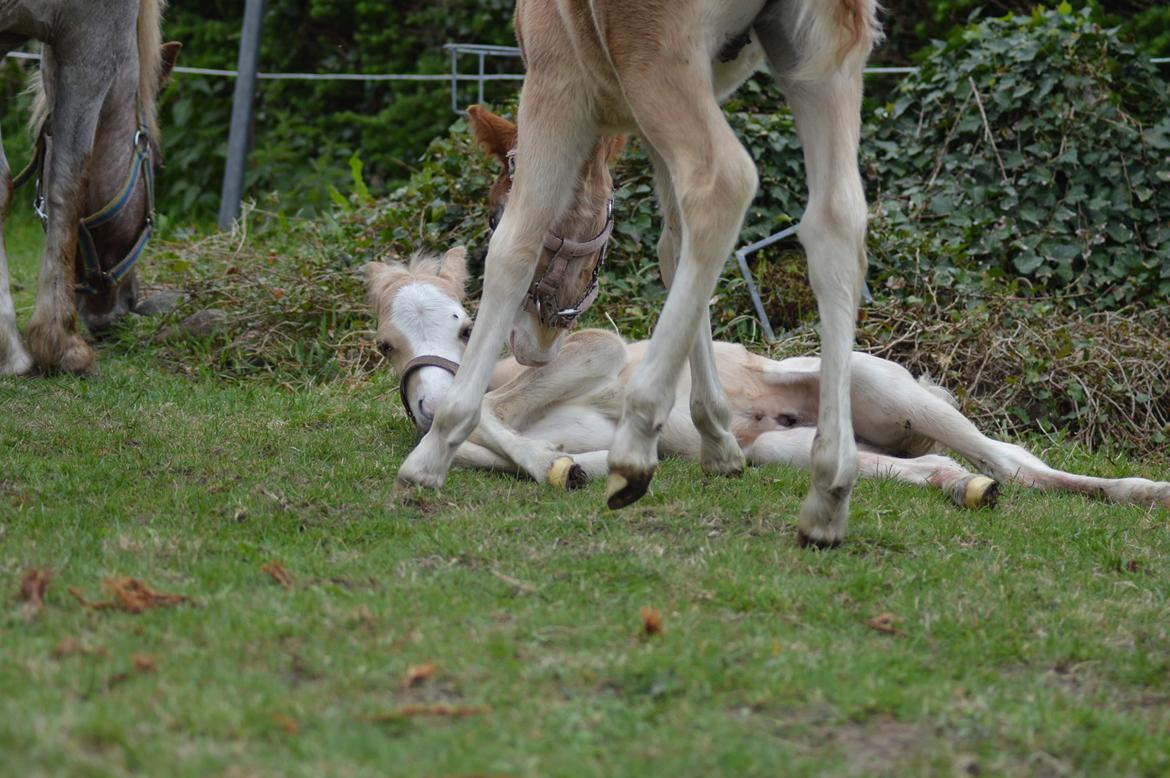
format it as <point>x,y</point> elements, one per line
<point>724,459</point>
<point>566,474</point>
<point>824,519</point>
<point>625,488</point>
<point>16,361</point>
<point>817,540</point>
<point>56,350</point>
<point>410,477</point>
<point>974,492</point>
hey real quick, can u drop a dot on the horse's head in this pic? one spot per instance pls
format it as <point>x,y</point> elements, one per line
<point>422,327</point>
<point>117,206</point>
<point>565,281</point>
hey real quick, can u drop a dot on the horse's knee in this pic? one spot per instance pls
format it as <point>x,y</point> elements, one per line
<point>457,418</point>
<point>714,198</point>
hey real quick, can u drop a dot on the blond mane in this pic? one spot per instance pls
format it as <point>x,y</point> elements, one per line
<point>149,68</point>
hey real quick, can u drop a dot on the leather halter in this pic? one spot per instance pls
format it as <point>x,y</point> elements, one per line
<point>412,367</point>
<point>541,298</point>
<point>97,280</point>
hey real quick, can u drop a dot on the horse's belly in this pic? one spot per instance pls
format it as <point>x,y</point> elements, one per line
<point>574,428</point>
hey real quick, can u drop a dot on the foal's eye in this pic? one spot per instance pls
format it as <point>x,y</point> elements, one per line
<point>385,348</point>
<point>465,333</point>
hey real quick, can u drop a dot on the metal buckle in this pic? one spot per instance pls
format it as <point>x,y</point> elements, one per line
<point>39,206</point>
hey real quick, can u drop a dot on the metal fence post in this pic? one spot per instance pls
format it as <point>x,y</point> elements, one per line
<point>242,103</point>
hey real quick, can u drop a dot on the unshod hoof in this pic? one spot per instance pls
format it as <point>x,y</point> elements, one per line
<point>974,492</point>
<point>566,474</point>
<point>625,488</point>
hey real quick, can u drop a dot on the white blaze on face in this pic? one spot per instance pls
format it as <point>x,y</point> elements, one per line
<point>431,323</point>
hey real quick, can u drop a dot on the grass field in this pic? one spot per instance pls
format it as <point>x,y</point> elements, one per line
<point>497,628</point>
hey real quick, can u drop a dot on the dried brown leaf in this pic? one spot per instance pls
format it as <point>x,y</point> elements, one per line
<point>885,622</point>
<point>67,647</point>
<point>129,595</point>
<point>442,710</point>
<point>278,573</point>
<point>651,621</point>
<point>33,586</point>
<point>287,723</point>
<point>144,663</point>
<point>417,674</point>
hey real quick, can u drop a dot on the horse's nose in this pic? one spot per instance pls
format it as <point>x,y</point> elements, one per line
<point>426,413</point>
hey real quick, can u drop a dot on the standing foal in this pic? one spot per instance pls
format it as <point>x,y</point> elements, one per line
<point>659,68</point>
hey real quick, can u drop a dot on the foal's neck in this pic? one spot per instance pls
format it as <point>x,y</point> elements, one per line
<point>586,215</point>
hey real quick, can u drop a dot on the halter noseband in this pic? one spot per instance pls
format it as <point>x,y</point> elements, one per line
<point>412,367</point>
<point>96,279</point>
<point>541,298</point>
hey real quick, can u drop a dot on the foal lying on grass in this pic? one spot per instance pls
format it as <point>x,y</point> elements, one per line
<point>555,423</point>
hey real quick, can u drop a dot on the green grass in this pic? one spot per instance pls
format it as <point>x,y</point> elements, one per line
<point>1034,639</point>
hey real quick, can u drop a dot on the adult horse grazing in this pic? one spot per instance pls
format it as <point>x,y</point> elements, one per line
<point>96,145</point>
<point>555,423</point>
<point>659,68</point>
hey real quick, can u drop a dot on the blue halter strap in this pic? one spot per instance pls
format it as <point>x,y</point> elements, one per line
<point>96,280</point>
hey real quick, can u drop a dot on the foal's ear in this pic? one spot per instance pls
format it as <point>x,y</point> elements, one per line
<point>494,133</point>
<point>170,55</point>
<point>453,267</point>
<point>616,144</point>
<point>380,276</point>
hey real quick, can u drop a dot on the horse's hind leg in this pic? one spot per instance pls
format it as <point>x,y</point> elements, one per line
<point>14,360</point>
<point>555,134</point>
<point>827,114</point>
<point>719,452</point>
<point>670,94</point>
<point>76,94</point>
<point>967,490</point>
<point>1004,461</point>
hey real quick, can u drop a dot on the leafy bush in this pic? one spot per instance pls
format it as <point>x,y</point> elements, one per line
<point>1034,146</point>
<point>306,131</point>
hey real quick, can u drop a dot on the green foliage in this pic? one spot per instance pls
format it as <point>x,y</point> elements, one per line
<point>1032,146</point>
<point>911,23</point>
<point>306,132</point>
<point>1028,641</point>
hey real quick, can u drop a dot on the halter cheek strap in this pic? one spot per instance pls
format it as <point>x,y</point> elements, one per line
<point>542,294</point>
<point>96,279</point>
<point>412,367</point>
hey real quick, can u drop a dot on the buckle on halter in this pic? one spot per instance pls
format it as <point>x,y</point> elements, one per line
<point>96,282</point>
<point>38,205</point>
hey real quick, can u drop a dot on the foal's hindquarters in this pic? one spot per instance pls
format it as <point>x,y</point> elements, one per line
<point>658,68</point>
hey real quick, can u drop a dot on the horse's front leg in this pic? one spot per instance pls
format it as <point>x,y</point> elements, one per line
<point>588,362</point>
<point>552,145</point>
<point>77,96</point>
<point>14,360</point>
<point>714,180</point>
<point>719,451</point>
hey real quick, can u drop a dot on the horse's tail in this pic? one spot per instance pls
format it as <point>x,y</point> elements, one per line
<point>150,59</point>
<point>832,35</point>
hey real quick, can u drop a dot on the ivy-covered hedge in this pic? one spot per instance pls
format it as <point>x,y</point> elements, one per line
<point>1035,146</point>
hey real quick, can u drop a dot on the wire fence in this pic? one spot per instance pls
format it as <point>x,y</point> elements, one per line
<point>482,53</point>
<point>453,78</point>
